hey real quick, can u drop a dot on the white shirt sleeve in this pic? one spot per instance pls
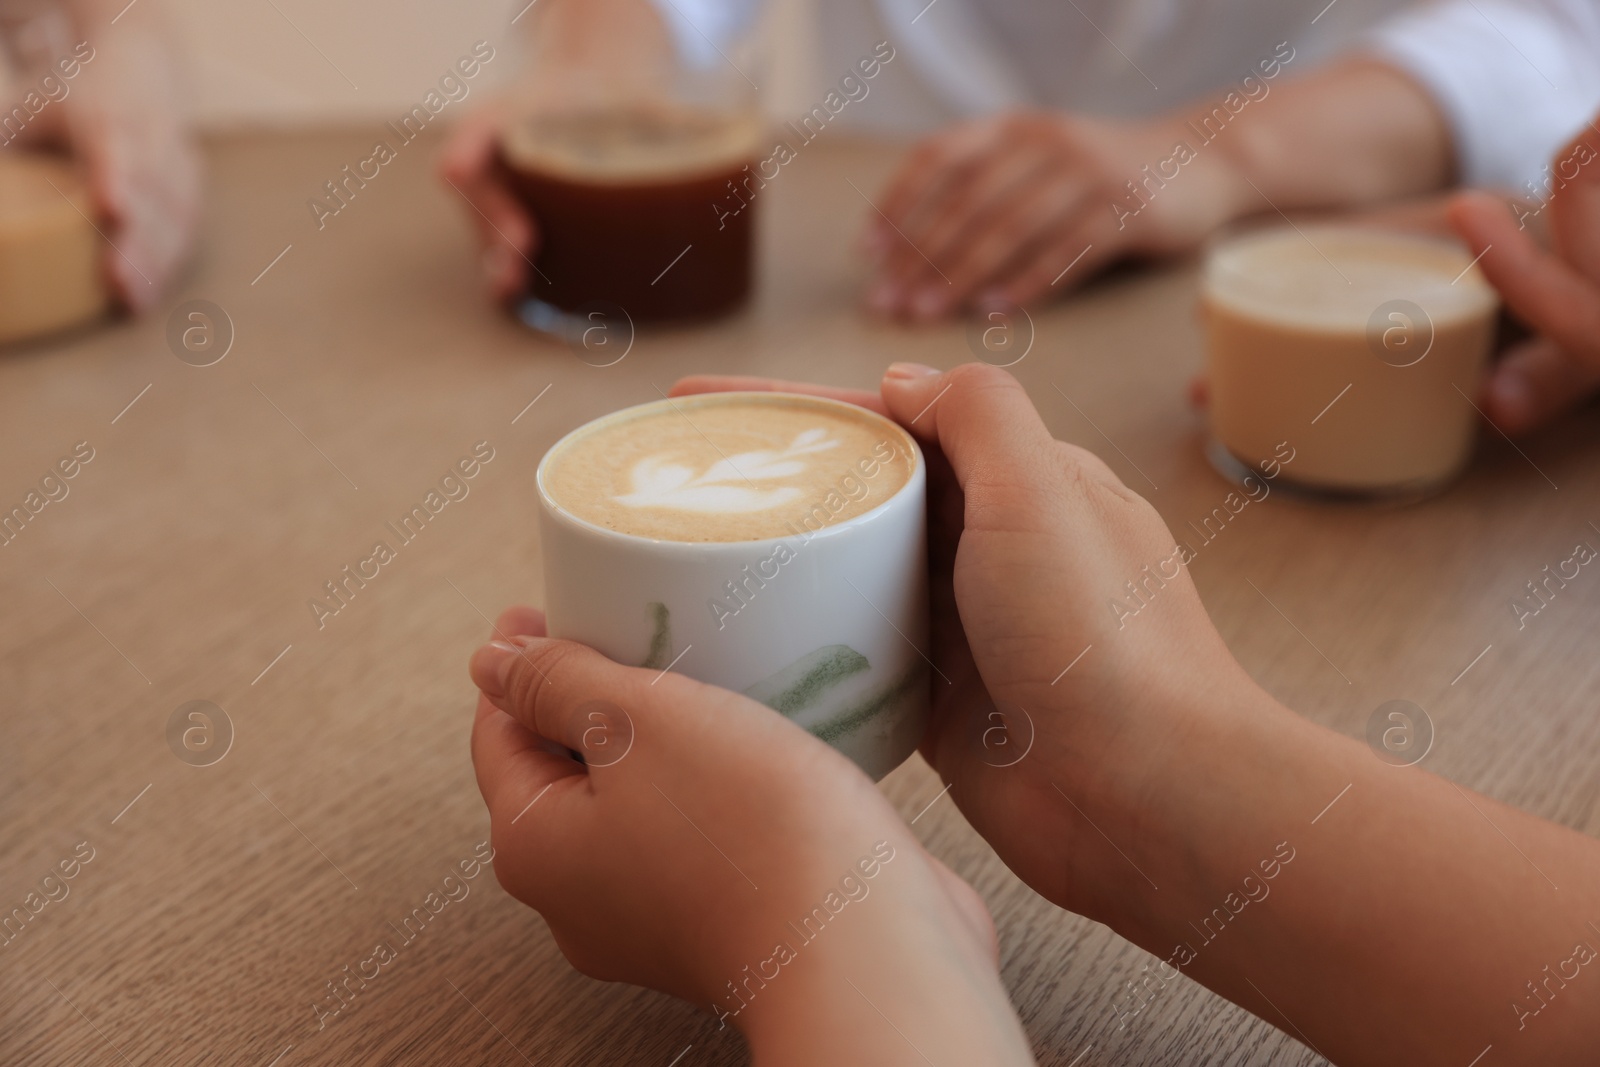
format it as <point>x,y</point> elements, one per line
<point>1516,79</point>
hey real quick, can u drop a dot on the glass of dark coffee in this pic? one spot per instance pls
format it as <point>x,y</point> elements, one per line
<point>629,142</point>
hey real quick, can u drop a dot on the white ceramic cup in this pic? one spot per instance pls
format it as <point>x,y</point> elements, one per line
<point>827,626</point>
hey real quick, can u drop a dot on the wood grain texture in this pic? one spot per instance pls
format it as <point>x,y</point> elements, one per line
<point>217,907</point>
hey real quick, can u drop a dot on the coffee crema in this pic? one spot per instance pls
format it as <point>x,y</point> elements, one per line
<point>1359,348</point>
<point>722,467</point>
<point>631,145</point>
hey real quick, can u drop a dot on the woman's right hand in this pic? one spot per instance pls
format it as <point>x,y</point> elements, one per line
<point>1031,542</point>
<point>506,232</point>
<point>1077,653</point>
<point>1096,731</point>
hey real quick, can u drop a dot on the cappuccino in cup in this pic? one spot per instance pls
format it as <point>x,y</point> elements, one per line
<point>727,472</point>
<point>1357,350</point>
<point>765,542</point>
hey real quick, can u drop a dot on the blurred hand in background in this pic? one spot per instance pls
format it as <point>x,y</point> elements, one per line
<point>506,232</point>
<point>122,116</point>
<point>1555,291</point>
<point>1008,210</point>
<point>1000,211</point>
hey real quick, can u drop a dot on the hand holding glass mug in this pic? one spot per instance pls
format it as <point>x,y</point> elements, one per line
<point>101,175</point>
<point>1556,292</point>
<point>608,179</point>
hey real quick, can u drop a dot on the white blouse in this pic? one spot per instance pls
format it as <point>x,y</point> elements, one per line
<point>1515,78</point>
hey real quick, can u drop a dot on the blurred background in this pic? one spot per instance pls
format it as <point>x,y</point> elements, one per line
<point>298,62</point>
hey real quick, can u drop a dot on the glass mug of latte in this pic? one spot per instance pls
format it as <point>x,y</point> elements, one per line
<point>630,141</point>
<point>51,277</point>
<point>1357,352</point>
<point>767,543</point>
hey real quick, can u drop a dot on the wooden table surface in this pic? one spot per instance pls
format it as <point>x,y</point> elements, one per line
<point>221,900</point>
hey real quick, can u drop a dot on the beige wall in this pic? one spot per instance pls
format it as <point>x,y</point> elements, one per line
<point>249,66</point>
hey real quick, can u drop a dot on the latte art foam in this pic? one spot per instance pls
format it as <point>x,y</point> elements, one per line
<point>728,467</point>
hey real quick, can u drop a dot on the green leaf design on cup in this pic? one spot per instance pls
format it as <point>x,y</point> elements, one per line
<point>804,682</point>
<point>660,637</point>
<point>870,707</point>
